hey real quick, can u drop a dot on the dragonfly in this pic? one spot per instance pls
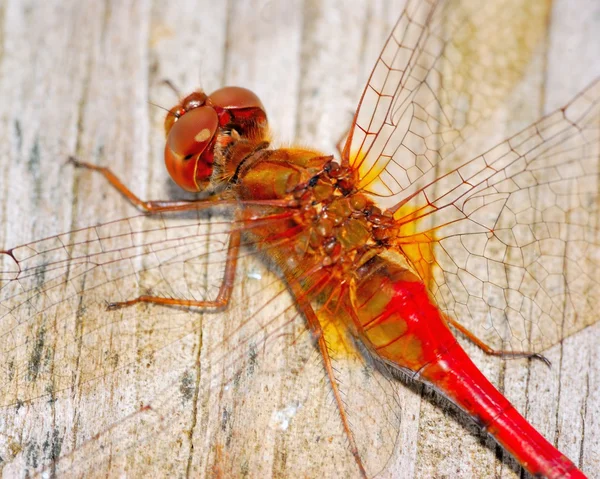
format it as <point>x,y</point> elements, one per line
<point>89,345</point>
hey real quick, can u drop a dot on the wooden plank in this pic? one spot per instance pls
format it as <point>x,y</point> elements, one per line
<point>76,78</point>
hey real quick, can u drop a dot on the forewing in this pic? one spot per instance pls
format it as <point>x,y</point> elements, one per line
<point>509,242</point>
<point>444,69</point>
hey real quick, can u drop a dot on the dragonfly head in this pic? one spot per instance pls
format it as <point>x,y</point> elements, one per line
<point>202,125</point>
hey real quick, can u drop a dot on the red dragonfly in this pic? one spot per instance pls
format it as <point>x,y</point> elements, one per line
<point>52,287</point>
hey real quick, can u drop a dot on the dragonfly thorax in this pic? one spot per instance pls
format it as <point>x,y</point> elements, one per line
<point>330,224</point>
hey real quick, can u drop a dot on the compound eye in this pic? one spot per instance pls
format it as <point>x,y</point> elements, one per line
<point>186,158</point>
<point>234,98</point>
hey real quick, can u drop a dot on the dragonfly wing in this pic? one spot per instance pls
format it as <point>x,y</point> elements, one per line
<point>65,356</point>
<point>374,401</point>
<point>444,69</point>
<point>515,230</point>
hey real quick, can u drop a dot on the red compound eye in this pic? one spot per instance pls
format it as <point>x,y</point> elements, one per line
<point>188,161</point>
<point>234,98</point>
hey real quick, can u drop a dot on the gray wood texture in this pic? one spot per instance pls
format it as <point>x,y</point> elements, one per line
<point>76,78</point>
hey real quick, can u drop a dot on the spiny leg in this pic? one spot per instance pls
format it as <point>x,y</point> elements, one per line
<point>343,139</point>
<point>146,206</point>
<point>341,143</point>
<point>317,331</point>
<point>223,297</point>
<point>494,352</point>
<point>163,206</point>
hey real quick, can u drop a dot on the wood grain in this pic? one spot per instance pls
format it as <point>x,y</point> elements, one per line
<point>76,78</point>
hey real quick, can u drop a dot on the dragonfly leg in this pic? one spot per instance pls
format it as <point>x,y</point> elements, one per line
<point>339,146</point>
<point>146,206</point>
<point>317,332</point>
<point>173,88</point>
<point>495,352</point>
<point>222,299</point>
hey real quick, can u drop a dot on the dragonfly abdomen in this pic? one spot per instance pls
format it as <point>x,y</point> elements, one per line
<point>397,319</point>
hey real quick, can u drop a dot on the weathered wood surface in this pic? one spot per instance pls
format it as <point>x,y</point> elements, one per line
<point>76,77</point>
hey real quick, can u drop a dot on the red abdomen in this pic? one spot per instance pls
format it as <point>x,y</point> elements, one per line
<point>396,318</point>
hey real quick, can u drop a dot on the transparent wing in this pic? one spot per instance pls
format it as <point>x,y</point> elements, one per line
<point>509,241</point>
<point>65,356</point>
<point>180,374</point>
<point>444,69</point>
